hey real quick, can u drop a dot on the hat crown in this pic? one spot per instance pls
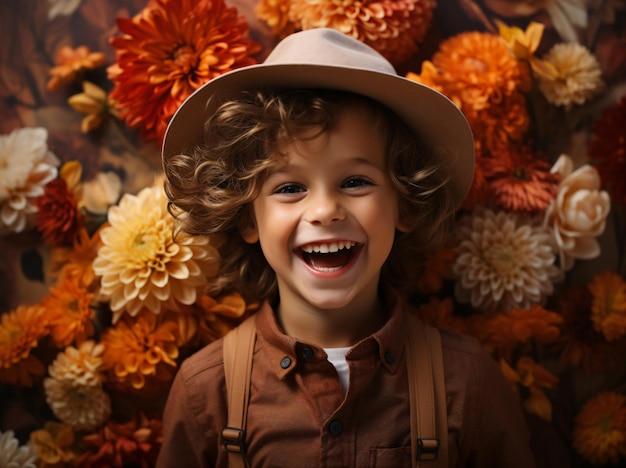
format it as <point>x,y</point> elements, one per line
<point>328,47</point>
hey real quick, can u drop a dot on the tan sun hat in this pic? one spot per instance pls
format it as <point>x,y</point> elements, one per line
<point>327,59</point>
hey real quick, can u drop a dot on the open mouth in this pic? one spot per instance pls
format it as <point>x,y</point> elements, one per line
<point>329,257</point>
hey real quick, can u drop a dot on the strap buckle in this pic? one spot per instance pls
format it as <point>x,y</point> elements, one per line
<point>427,449</point>
<point>234,440</point>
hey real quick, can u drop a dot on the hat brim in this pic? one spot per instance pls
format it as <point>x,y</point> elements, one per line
<point>435,119</point>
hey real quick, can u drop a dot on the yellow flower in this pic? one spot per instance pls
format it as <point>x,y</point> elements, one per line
<point>53,444</point>
<point>599,434</point>
<point>276,14</point>
<point>94,102</point>
<point>81,365</point>
<point>608,310</point>
<point>578,75</point>
<point>20,332</point>
<point>523,45</point>
<point>140,262</point>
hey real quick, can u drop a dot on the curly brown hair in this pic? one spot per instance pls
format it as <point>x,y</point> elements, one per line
<point>212,187</point>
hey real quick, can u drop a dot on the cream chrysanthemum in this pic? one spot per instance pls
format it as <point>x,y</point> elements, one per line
<point>80,366</point>
<point>26,166</point>
<point>502,262</point>
<point>578,79</point>
<point>84,407</point>
<point>12,455</point>
<point>140,262</point>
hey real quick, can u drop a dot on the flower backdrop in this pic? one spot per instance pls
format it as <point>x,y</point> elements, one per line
<point>100,303</point>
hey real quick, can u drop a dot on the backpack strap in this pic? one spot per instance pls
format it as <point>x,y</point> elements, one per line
<point>238,351</point>
<point>427,393</point>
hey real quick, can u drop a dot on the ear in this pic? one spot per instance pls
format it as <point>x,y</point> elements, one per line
<point>402,226</point>
<point>248,228</point>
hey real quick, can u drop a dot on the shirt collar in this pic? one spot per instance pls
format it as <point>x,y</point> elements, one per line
<point>284,352</point>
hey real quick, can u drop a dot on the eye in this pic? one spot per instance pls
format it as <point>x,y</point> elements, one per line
<point>289,189</point>
<point>354,182</point>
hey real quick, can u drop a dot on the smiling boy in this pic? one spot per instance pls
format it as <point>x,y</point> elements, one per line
<point>329,182</point>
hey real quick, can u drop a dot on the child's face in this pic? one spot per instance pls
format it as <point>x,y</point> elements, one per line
<point>326,217</point>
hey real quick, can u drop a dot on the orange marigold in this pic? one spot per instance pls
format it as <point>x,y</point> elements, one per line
<point>139,353</point>
<point>20,332</point>
<point>505,124</point>
<point>440,314</point>
<point>599,434</point>
<point>476,70</point>
<point>167,51</point>
<point>608,308</point>
<point>438,268</point>
<point>535,378</point>
<point>71,63</point>
<point>520,179</point>
<point>69,312</point>
<point>392,27</point>
<point>58,217</point>
<point>134,443</point>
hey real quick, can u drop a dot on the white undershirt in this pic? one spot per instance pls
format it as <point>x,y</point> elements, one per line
<point>337,357</point>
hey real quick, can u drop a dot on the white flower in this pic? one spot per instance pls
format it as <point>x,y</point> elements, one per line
<point>579,76</point>
<point>62,7</point>
<point>26,166</point>
<point>578,213</point>
<point>12,455</point>
<point>100,193</point>
<point>504,261</point>
<point>84,407</point>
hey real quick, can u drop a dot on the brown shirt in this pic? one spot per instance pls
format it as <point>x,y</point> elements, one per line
<point>298,416</point>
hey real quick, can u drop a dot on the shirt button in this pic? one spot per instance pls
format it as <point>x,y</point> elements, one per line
<point>285,363</point>
<point>335,427</point>
<point>389,357</point>
<point>307,353</point>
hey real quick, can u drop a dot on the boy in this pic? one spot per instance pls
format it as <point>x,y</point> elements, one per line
<point>329,176</point>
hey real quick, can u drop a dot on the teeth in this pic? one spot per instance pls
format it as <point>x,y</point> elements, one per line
<point>328,248</point>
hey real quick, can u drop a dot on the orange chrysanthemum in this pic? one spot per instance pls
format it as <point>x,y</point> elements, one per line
<point>58,217</point>
<point>599,434</point>
<point>20,332</point>
<point>476,70</point>
<point>69,312</point>
<point>168,50</point>
<point>504,124</point>
<point>139,353</point>
<point>608,150</point>
<point>134,443</point>
<point>76,263</point>
<point>71,63</point>
<point>504,332</point>
<point>608,308</point>
<point>579,344</point>
<point>393,27</point>
<point>520,179</point>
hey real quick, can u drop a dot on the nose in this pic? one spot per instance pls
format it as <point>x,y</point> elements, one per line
<point>324,208</point>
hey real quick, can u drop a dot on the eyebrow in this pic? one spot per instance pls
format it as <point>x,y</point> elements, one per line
<point>357,160</point>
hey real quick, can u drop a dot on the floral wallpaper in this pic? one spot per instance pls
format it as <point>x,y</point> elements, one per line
<point>99,303</point>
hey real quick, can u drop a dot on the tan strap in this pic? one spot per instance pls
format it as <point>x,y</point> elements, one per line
<point>238,351</point>
<point>427,394</point>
